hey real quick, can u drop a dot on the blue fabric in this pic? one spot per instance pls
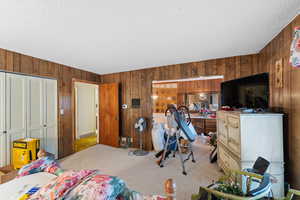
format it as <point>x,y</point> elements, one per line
<point>264,186</point>
<point>183,125</point>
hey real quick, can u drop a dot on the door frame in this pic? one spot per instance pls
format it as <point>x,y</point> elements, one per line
<point>73,110</point>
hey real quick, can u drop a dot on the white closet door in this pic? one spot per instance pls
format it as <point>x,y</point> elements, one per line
<point>35,109</point>
<point>51,116</point>
<point>3,161</point>
<point>16,94</point>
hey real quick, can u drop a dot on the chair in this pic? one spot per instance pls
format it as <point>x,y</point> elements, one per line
<point>291,194</point>
<point>261,191</point>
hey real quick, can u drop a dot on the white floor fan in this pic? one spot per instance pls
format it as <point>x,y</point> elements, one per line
<point>140,125</point>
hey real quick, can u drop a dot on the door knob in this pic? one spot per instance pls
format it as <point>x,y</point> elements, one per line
<point>45,125</point>
<point>3,133</point>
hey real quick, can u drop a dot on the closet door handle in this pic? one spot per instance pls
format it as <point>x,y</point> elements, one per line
<point>45,125</point>
<point>3,133</point>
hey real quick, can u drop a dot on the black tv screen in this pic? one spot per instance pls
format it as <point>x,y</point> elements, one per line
<point>248,92</point>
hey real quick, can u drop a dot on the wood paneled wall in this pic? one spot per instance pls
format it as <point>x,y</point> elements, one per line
<point>15,62</point>
<point>211,85</point>
<point>287,98</point>
<point>137,84</point>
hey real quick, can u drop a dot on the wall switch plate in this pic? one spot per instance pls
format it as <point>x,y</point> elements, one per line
<point>124,139</point>
<point>62,111</point>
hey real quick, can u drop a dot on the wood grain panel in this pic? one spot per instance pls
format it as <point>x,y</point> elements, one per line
<point>295,122</point>
<point>36,66</point>
<point>287,98</point>
<point>212,85</point>
<point>65,93</point>
<point>17,64</point>
<point>26,64</point>
<point>2,59</point>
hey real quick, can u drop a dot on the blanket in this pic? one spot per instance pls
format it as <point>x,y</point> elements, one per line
<point>44,164</point>
<point>80,185</point>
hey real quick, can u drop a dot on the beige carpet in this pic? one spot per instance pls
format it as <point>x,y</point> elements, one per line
<point>142,173</point>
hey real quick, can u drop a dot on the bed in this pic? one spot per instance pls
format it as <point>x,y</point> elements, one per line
<point>17,187</point>
<point>52,182</point>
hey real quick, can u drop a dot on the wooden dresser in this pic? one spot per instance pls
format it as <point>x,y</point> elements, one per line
<point>244,137</point>
<point>204,125</point>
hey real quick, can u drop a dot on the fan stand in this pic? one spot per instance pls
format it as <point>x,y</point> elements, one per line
<point>140,152</point>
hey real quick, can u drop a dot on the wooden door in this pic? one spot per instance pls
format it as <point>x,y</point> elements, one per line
<point>50,116</point>
<point>3,149</point>
<point>16,104</point>
<point>109,114</point>
<point>35,109</point>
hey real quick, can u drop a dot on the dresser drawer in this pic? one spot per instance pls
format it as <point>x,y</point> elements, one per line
<point>234,163</point>
<point>210,125</point>
<point>222,131</point>
<point>198,125</point>
<point>221,116</point>
<point>234,142</point>
<point>227,160</point>
<point>233,122</point>
<point>223,158</point>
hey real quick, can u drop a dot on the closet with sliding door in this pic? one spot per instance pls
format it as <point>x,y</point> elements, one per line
<point>28,108</point>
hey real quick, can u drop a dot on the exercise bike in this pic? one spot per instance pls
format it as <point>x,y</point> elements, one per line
<point>179,127</point>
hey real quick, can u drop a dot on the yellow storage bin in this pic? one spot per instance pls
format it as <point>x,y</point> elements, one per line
<point>24,151</point>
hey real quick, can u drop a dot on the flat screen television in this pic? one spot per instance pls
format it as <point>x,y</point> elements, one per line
<point>248,92</point>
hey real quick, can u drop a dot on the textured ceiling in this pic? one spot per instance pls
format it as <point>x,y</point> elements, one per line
<point>112,36</point>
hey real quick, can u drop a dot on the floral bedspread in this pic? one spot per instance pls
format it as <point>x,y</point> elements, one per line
<point>45,164</point>
<point>80,185</point>
<point>88,185</point>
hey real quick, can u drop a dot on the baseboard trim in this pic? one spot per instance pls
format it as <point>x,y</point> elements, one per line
<point>87,134</point>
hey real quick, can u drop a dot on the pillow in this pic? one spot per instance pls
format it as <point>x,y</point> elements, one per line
<point>44,164</point>
<point>61,185</point>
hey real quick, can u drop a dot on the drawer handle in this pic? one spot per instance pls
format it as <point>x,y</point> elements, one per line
<point>233,141</point>
<point>234,125</point>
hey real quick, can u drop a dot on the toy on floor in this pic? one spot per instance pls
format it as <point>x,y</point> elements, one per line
<point>178,125</point>
<point>170,189</point>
